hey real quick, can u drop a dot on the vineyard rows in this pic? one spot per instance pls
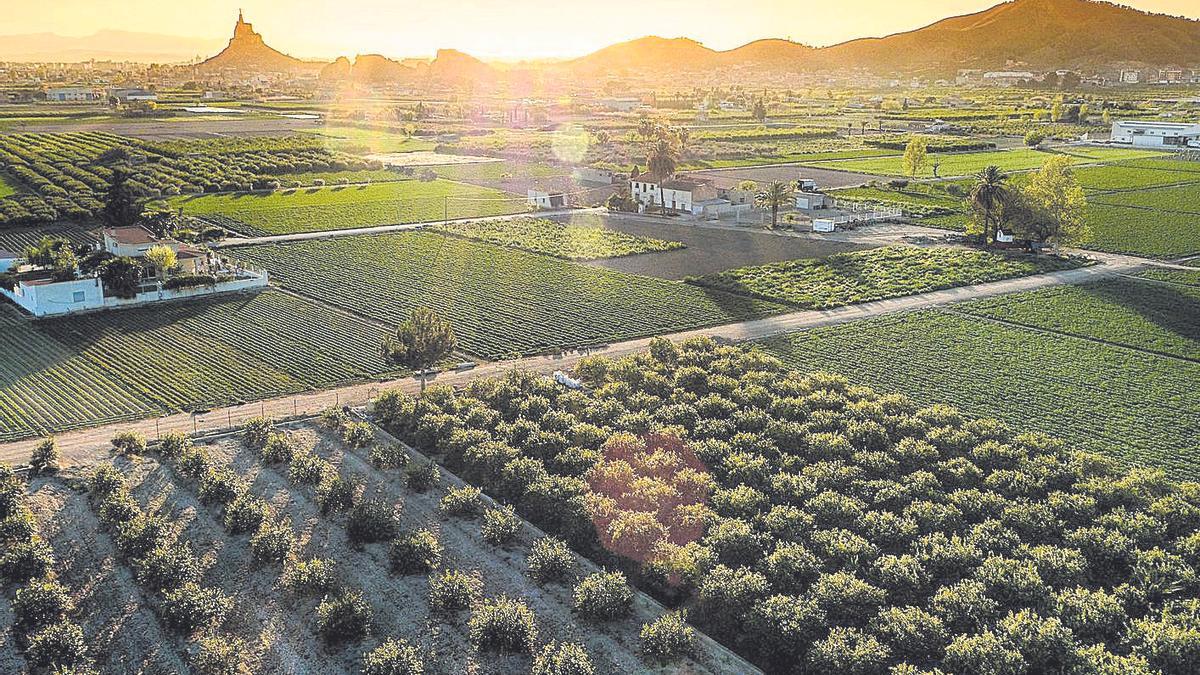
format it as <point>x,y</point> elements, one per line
<point>501,302</point>
<point>97,368</point>
<point>1135,406</point>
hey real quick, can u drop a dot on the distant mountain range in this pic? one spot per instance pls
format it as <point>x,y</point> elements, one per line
<point>1031,34</point>
<point>1021,34</point>
<point>105,45</point>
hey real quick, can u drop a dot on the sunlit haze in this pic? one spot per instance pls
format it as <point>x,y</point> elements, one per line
<point>519,29</point>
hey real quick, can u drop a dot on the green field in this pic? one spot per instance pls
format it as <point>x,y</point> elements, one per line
<point>1181,198</point>
<point>582,239</point>
<point>962,164</point>
<point>1141,231</point>
<point>353,139</point>
<point>339,208</point>
<point>1131,177</point>
<point>501,302</point>
<point>1140,407</point>
<point>1183,277</point>
<point>102,367</point>
<point>1160,318</point>
<point>877,274</point>
<point>7,189</point>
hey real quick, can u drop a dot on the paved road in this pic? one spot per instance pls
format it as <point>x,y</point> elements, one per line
<point>85,446</point>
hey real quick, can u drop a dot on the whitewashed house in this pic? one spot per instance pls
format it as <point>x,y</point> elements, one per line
<point>685,195</point>
<point>1165,135</point>
<point>545,199</point>
<point>39,292</point>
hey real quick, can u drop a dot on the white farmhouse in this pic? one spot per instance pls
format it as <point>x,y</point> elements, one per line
<point>1167,135</point>
<point>679,194</point>
<point>73,95</point>
<point>538,198</point>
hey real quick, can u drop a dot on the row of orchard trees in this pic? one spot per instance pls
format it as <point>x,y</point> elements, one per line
<point>815,525</point>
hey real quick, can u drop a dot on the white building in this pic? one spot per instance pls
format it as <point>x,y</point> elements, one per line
<point>124,96</point>
<point>679,194</point>
<point>1166,135</point>
<point>73,95</point>
<point>544,199</point>
<point>812,201</point>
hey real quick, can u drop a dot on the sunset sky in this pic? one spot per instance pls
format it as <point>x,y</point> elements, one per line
<point>505,30</point>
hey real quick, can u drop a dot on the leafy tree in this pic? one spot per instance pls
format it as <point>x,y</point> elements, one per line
<point>916,154</point>
<point>604,596</point>
<point>163,258</point>
<point>759,111</point>
<point>776,196</point>
<point>987,200</point>
<point>562,658</point>
<point>121,276</point>
<point>503,625</point>
<point>344,617</point>
<point>1056,205</point>
<point>45,457</point>
<point>550,560</point>
<point>849,651</point>
<point>394,657</point>
<point>420,342</point>
<point>121,205</point>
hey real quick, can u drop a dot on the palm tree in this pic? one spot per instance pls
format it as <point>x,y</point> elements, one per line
<point>776,196</point>
<point>988,196</point>
<point>662,161</point>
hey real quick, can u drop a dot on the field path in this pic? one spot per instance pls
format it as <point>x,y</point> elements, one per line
<point>86,446</point>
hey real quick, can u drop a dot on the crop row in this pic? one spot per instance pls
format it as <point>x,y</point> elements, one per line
<point>889,272</point>
<point>500,302</point>
<point>106,367</point>
<point>1132,405</point>
<point>818,526</point>
<point>1146,316</point>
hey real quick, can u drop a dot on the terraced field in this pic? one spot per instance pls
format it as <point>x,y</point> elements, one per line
<point>1078,370</point>
<point>90,369</point>
<point>502,302</point>
<point>962,164</point>
<point>877,274</point>
<point>584,238</point>
<point>339,208</point>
